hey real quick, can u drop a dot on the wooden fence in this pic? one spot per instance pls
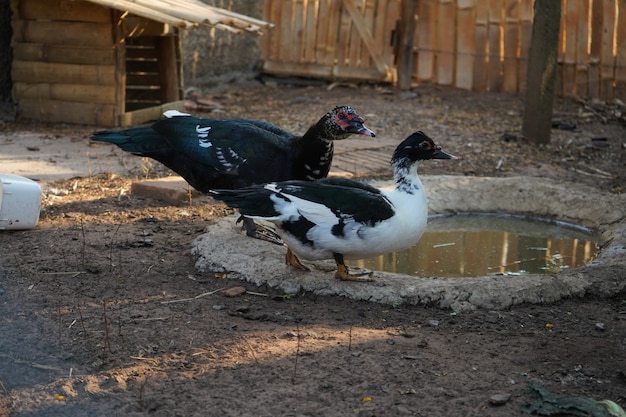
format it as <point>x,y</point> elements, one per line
<point>480,45</point>
<point>332,39</point>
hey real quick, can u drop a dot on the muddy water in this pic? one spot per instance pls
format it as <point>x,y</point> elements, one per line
<point>478,245</point>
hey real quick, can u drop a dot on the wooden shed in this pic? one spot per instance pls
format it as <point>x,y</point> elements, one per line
<point>105,62</point>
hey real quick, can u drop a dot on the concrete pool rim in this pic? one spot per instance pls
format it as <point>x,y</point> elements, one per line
<point>224,248</point>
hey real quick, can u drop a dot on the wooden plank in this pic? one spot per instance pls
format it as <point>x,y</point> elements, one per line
<point>276,34</point>
<point>168,69</point>
<point>481,45</point>
<point>494,66</point>
<point>96,35</point>
<point>265,40</point>
<point>64,10</point>
<point>366,36</point>
<point>392,16</point>
<point>120,67</point>
<point>582,56</point>
<point>445,42</point>
<point>526,29</point>
<point>103,94</point>
<point>607,60</point>
<point>464,69</point>
<point>511,62</point>
<point>597,28</point>
<point>356,41</point>
<point>297,35</point>
<point>380,29</point>
<point>620,59</point>
<point>558,83</point>
<point>570,33</point>
<point>343,36</point>
<point>28,71</point>
<point>63,54</point>
<point>405,46</point>
<point>426,35</point>
<point>286,52</point>
<point>324,38</point>
<point>369,16</point>
<point>310,31</point>
<point>58,111</point>
<point>327,72</point>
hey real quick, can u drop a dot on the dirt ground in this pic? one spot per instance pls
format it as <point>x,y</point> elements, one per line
<point>103,313</point>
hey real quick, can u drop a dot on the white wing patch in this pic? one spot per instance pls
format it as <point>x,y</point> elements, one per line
<point>203,136</point>
<point>174,113</point>
<point>296,207</point>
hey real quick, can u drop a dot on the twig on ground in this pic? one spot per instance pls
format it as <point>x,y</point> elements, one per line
<point>295,364</point>
<point>73,273</point>
<point>111,247</point>
<point>83,248</point>
<point>32,364</point>
<point>251,350</point>
<point>591,174</point>
<point>180,300</point>
<point>82,321</point>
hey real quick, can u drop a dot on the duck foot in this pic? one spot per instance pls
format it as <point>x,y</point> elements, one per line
<point>260,232</point>
<point>344,274</point>
<point>292,259</point>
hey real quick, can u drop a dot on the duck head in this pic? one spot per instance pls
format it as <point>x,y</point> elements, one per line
<point>418,147</point>
<point>343,121</point>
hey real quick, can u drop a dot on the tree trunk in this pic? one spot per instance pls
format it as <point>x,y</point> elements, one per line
<point>542,66</point>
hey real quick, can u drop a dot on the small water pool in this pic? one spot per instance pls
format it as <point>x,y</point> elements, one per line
<point>470,245</point>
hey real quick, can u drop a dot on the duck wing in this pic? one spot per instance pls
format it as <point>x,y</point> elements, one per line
<point>329,202</point>
<point>223,144</point>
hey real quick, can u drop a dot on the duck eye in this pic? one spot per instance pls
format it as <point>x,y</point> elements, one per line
<point>344,115</point>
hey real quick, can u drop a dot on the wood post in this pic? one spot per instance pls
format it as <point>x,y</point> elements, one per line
<point>542,68</point>
<point>405,56</point>
<point>168,69</point>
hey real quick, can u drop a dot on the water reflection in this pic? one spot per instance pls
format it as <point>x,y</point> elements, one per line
<point>477,245</point>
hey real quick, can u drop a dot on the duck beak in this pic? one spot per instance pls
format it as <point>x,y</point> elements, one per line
<point>362,130</point>
<point>443,155</point>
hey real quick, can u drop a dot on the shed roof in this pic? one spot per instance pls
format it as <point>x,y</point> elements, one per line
<point>187,14</point>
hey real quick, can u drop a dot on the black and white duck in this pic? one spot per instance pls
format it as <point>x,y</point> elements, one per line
<point>344,219</point>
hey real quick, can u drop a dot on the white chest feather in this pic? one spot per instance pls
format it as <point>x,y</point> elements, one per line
<point>359,240</point>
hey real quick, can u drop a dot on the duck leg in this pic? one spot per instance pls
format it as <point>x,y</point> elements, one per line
<point>258,231</point>
<point>292,259</point>
<point>343,272</point>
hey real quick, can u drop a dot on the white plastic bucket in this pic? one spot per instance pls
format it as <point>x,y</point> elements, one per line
<point>20,202</point>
